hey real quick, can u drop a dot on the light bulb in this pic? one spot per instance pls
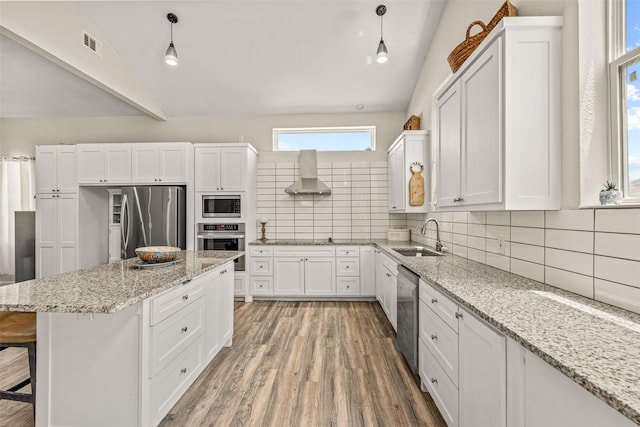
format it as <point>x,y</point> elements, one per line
<point>171,57</point>
<point>381,54</point>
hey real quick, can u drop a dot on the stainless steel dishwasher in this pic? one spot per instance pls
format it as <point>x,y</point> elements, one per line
<point>407,336</point>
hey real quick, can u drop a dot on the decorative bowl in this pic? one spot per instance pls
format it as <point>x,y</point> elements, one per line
<point>157,254</point>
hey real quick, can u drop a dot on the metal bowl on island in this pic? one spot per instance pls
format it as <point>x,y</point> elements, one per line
<point>157,254</point>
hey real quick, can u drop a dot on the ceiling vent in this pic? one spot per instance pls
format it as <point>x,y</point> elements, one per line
<point>91,43</point>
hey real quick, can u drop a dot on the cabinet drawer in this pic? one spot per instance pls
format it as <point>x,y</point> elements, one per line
<point>347,251</point>
<point>169,337</point>
<point>262,266</point>
<point>442,305</point>
<point>442,389</point>
<point>261,251</point>
<point>390,264</point>
<point>167,387</point>
<point>348,266</point>
<point>262,285</point>
<point>348,286</point>
<point>441,340</point>
<point>173,300</point>
<point>304,251</point>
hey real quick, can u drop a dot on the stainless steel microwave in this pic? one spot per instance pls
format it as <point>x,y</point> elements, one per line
<point>222,206</point>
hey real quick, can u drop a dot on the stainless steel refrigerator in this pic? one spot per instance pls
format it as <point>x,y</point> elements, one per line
<point>152,216</point>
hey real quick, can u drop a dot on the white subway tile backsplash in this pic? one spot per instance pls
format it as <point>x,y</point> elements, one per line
<point>527,219</point>
<point>479,230</point>
<point>572,282</point>
<point>478,243</point>
<point>617,270</point>
<point>498,231</point>
<point>527,252</point>
<point>460,217</point>
<point>618,245</point>
<point>527,269</point>
<point>459,228</point>
<point>530,236</point>
<point>618,220</point>
<point>619,295</point>
<point>576,262</point>
<point>499,218</point>
<point>477,218</point>
<point>499,261</point>
<point>579,241</point>
<point>581,219</point>
<point>477,255</point>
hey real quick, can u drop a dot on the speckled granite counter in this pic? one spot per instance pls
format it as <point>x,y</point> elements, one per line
<point>595,344</point>
<point>107,288</point>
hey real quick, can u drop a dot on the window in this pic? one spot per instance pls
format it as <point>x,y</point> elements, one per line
<point>624,76</point>
<point>353,138</point>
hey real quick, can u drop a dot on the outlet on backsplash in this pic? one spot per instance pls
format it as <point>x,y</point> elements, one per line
<point>501,245</point>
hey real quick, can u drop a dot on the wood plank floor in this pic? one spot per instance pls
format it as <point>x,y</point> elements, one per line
<point>307,364</point>
<point>291,364</point>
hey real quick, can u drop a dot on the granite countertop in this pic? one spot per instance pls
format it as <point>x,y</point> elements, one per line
<point>595,344</point>
<point>108,288</point>
<point>302,242</point>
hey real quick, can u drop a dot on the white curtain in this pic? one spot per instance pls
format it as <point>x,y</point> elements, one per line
<point>17,191</point>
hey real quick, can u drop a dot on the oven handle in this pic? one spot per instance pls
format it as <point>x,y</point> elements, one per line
<point>220,236</point>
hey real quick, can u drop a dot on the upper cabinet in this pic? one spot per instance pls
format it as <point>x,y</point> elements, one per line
<point>104,164</point>
<point>223,167</point>
<point>497,122</point>
<point>56,169</point>
<point>159,163</point>
<point>409,172</point>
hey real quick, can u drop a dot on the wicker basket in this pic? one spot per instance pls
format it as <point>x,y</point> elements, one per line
<point>460,54</point>
<point>507,9</point>
<point>413,123</point>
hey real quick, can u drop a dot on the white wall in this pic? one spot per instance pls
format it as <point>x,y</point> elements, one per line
<point>20,136</point>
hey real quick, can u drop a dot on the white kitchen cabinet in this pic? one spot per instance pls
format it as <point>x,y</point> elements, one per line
<point>497,122</point>
<point>115,242</point>
<point>319,276</point>
<point>387,286</point>
<point>408,159</point>
<point>164,163</point>
<point>223,167</point>
<point>288,276</point>
<point>540,396</point>
<point>104,164</point>
<point>240,284</point>
<point>304,270</point>
<point>483,384</point>
<point>260,266</point>
<point>56,233</point>
<point>367,271</point>
<point>56,170</point>
<point>115,231</point>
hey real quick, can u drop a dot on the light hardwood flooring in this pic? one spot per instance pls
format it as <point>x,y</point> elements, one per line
<point>14,367</point>
<point>293,364</point>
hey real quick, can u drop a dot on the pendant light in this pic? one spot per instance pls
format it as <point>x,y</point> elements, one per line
<point>171,57</point>
<point>381,54</point>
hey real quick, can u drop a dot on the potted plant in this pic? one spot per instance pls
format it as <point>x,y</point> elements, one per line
<point>610,195</point>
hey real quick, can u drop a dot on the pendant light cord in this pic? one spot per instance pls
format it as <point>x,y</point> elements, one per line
<point>381,38</point>
<point>172,33</point>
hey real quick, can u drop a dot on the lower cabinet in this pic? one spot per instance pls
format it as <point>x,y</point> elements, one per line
<point>387,286</point>
<point>139,360</point>
<point>462,362</point>
<point>367,271</point>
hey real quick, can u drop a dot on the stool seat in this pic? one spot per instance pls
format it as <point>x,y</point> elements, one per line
<point>17,327</point>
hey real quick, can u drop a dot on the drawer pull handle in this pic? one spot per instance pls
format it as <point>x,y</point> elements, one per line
<point>183,371</point>
<point>184,329</point>
<point>260,267</point>
<point>458,315</point>
<point>388,274</point>
<point>185,297</point>
<point>347,267</point>
<point>434,300</point>
<point>434,381</point>
<point>458,199</point>
<point>434,337</point>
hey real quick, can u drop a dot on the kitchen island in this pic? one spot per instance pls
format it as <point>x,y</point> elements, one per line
<point>119,344</point>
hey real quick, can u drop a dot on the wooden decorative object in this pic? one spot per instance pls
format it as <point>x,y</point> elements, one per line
<point>465,49</point>
<point>413,123</point>
<point>416,185</point>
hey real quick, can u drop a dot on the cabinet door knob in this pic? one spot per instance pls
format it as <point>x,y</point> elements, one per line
<point>434,337</point>
<point>388,274</point>
<point>434,300</point>
<point>458,315</point>
<point>184,329</point>
<point>183,371</point>
<point>347,267</point>
<point>185,297</point>
<point>222,188</point>
<point>434,381</point>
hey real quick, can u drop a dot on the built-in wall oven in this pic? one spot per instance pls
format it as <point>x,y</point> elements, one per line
<point>222,237</point>
<point>221,205</point>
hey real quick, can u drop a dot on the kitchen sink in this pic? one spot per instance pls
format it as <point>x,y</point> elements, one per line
<point>418,251</point>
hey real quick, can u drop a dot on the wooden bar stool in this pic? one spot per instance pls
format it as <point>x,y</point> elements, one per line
<point>19,330</point>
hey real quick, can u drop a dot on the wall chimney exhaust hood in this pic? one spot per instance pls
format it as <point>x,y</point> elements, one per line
<point>308,183</point>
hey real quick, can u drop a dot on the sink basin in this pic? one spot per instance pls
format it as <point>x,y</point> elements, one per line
<point>417,252</point>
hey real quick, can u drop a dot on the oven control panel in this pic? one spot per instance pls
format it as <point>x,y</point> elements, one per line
<point>221,227</point>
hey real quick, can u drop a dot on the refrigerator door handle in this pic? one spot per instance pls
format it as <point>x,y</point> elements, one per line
<point>125,223</point>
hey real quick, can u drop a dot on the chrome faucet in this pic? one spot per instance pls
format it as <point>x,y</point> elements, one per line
<point>423,231</point>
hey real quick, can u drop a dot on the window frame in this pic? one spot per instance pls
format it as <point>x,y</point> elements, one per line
<point>618,59</point>
<point>319,130</point>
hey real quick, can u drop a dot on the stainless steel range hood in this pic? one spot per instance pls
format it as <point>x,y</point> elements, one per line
<point>308,183</point>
